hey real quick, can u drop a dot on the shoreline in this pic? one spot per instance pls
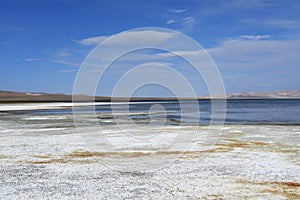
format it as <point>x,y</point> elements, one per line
<point>117,100</point>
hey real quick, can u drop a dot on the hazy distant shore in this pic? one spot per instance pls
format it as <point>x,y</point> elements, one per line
<point>8,96</point>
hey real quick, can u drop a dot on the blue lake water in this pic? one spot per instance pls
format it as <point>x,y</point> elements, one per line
<point>270,111</point>
<point>267,111</point>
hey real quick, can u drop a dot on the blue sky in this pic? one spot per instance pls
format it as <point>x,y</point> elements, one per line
<point>255,44</point>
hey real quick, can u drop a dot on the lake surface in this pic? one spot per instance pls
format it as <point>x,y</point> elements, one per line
<point>272,111</point>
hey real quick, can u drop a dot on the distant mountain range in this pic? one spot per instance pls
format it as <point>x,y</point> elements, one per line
<point>9,96</point>
<point>282,94</point>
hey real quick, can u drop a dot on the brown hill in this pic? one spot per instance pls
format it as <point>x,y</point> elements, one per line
<point>9,96</point>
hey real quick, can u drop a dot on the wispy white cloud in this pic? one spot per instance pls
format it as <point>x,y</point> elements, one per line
<point>171,21</point>
<point>63,54</point>
<point>278,23</point>
<point>184,20</point>
<point>69,63</point>
<point>188,22</point>
<point>253,64</point>
<point>32,59</point>
<point>91,41</point>
<point>254,37</point>
<point>262,55</point>
<point>69,57</point>
<point>273,63</point>
<point>190,54</point>
<point>185,24</point>
<point>177,11</point>
<point>257,54</point>
<point>139,37</point>
<point>282,23</point>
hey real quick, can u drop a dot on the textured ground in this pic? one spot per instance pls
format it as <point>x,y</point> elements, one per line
<point>246,163</point>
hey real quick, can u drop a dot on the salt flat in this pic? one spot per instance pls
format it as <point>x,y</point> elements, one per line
<point>240,166</point>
